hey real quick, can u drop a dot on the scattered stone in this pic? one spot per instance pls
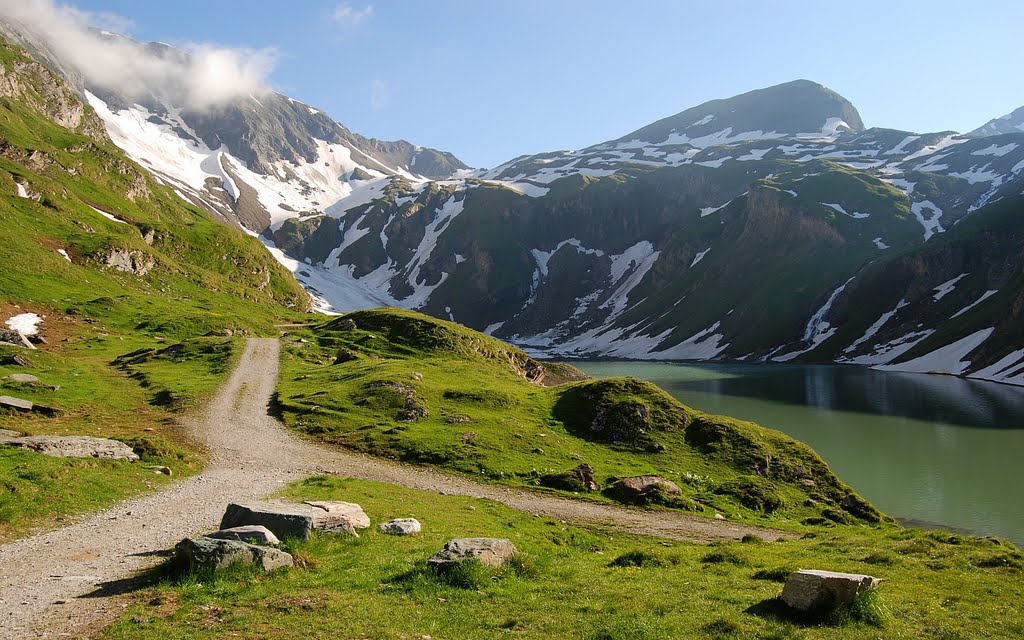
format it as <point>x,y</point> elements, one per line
<point>298,520</point>
<point>284,520</point>
<point>345,355</point>
<point>346,324</point>
<point>158,468</point>
<point>492,552</point>
<point>719,516</point>
<point>416,375</point>
<point>128,261</point>
<point>24,378</point>
<point>7,433</point>
<point>18,360</point>
<point>11,402</point>
<point>638,487</point>
<point>337,509</point>
<point>74,446</point>
<point>37,340</point>
<point>401,526</point>
<point>253,534</point>
<point>198,554</point>
<point>469,436</point>
<point>579,479</point>
<point>812,590</point>
<point>16,338</point>
<point>459,419</point>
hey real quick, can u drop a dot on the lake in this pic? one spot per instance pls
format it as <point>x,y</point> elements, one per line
<point>932,450</point>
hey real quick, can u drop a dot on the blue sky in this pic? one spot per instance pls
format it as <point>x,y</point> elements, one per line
<point>493,80</point>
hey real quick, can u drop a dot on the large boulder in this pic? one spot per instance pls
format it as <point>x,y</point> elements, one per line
<point>74,447</point>
<point>579,479</point>
<point>198,554</point>
<point>492,552</point>
<point>810,590</point>
<point>297,520</point>
<point>336,511</point>
<point>10,402</point>
<point>251,533</point>
<point>401,526</point>
<point>23,378</point>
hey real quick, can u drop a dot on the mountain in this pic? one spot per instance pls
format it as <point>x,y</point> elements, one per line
<point>95,239</point>
<point>253,160</point>
<point>760,227</point>
<point>1010,123</point>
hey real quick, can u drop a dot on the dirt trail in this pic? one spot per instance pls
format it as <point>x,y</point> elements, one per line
<point>65,583</point>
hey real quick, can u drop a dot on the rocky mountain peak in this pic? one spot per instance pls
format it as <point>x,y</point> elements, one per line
<point>1012,122</point>
<point>800,108</point>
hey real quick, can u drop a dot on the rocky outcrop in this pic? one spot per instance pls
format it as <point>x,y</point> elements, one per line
<point>128,261</point>
<point>492,552</point>
<point>812,591</point>
<point>205,554</point>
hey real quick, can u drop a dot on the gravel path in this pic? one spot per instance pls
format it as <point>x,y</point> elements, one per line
<point>68,583</point>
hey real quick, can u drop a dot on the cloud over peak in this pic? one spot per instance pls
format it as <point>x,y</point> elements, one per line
<point>200,76</point>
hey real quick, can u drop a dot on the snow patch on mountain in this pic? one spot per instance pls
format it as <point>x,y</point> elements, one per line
<point>985,296</point>
<point>699,257</point>
<point>1008,370</point>
<point>931,223</point>
<point>891,350</point>
<point>840,209</point>
<point>874,328</point>
<point>950,359</point>
<point>995,150</point>
<point>947,287</point>
<point>818,330</point>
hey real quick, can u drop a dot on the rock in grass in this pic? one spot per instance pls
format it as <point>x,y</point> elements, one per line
<point>639,487</point>
<point>251,533</point>
<point>198,554</point>
<point>337,510</point>
<point>811,590</point>
<point>492,552</point>
<point>10,402</point>
<point>401,526</point>
<point>16,338</point>
<point>8,433</point>
<point>24,378</point>
<point>75,447</point>
<point>284,520</point>
<point>298,520</point>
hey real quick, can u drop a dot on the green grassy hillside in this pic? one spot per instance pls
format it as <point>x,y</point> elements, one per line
<point>403,385</point>
<point>156,280</point>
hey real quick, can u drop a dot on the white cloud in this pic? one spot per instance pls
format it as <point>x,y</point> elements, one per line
<point>350,17</point>
<point>199,76</point>
<point>380,94</point>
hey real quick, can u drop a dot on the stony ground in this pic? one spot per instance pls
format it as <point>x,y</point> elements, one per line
<point>70,582</point>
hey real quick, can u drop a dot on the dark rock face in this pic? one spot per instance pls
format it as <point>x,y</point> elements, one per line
<point>283,521</point>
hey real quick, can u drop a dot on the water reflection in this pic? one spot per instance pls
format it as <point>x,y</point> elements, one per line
<point>930,448</point>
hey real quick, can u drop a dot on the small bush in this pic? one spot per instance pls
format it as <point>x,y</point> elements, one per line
<point>881,557</point>
<point>753,493</point>
<point>723,555</point>
<point>637,559</point>
<point>775,574</point>
<point>865,608</point>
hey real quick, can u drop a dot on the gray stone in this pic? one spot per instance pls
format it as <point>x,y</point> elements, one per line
<point>811,590</point>
<point>10,402</point>
<point>636,487</point>
<point>198,554</point>
<point>75,447</point>
<point>16,338</point>
<point>298,520</point>
<point>492,552</point>
<point>338,510</point>
<point>284,520</point>
<point>251,533</point>
<point>8,433</point>
<point>24,378</point>
<point>401,526</point>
